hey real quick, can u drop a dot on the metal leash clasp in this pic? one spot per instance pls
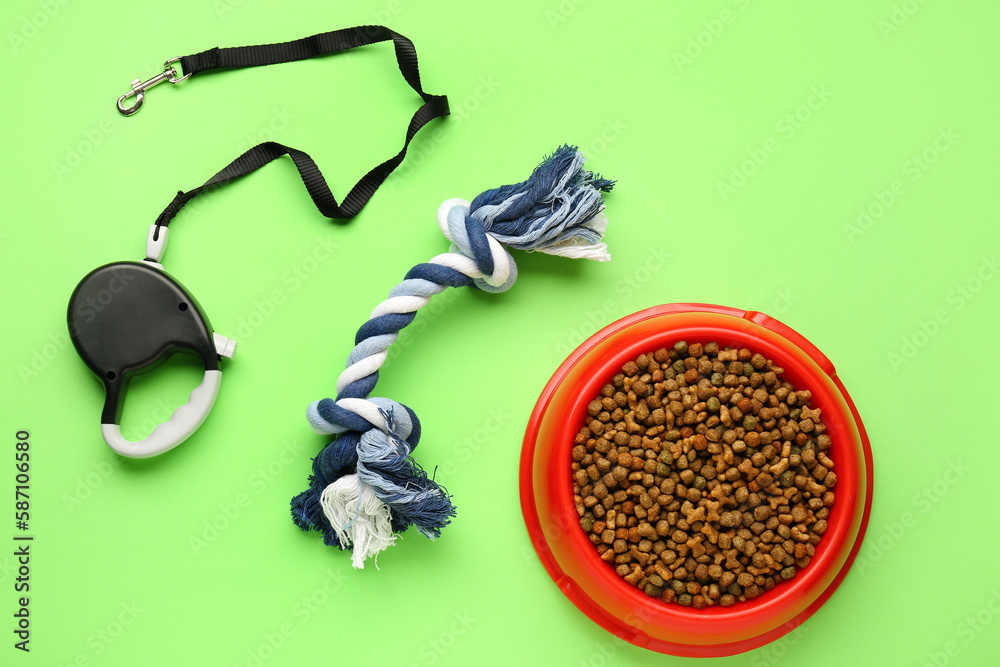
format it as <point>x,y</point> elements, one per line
<point>139,87</point>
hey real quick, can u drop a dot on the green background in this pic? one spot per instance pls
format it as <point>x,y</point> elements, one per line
<point>830,165</point>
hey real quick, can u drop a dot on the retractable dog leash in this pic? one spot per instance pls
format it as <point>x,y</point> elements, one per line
<point>126,318</point>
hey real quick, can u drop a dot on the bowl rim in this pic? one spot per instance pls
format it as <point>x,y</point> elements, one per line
<point>819,581</point>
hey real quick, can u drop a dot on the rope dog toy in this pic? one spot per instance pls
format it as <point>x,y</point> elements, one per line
<point>365,488</point>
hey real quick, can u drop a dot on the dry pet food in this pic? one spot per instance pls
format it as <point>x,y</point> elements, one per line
<point>701,476</point>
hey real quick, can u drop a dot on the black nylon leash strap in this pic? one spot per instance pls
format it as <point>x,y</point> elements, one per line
<point>434,106</point>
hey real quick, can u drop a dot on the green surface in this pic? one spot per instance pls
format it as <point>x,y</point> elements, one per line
<point>746,137</point>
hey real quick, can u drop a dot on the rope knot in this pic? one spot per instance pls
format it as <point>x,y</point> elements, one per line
<point>469,236</point>
<point>559,210</point>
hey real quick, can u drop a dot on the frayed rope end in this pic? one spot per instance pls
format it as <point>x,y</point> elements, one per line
<point>558,210</point>
<point>360,520</point>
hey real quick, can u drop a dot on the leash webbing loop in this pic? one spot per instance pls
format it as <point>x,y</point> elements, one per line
<point>217,59</point>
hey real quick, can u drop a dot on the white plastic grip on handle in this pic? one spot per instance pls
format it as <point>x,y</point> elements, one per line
<point>155,249</point>
<point>185,421</point>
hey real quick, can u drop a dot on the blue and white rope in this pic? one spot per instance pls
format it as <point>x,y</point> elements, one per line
<point>365,487</point>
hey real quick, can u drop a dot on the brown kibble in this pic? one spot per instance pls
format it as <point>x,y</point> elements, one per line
<point>634,577</point>
<point>808,457</point>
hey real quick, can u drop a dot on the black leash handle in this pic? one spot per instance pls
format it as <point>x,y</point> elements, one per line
<point>434,106</point>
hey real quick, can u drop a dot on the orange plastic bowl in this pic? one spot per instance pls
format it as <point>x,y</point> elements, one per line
<point>590,583</point>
